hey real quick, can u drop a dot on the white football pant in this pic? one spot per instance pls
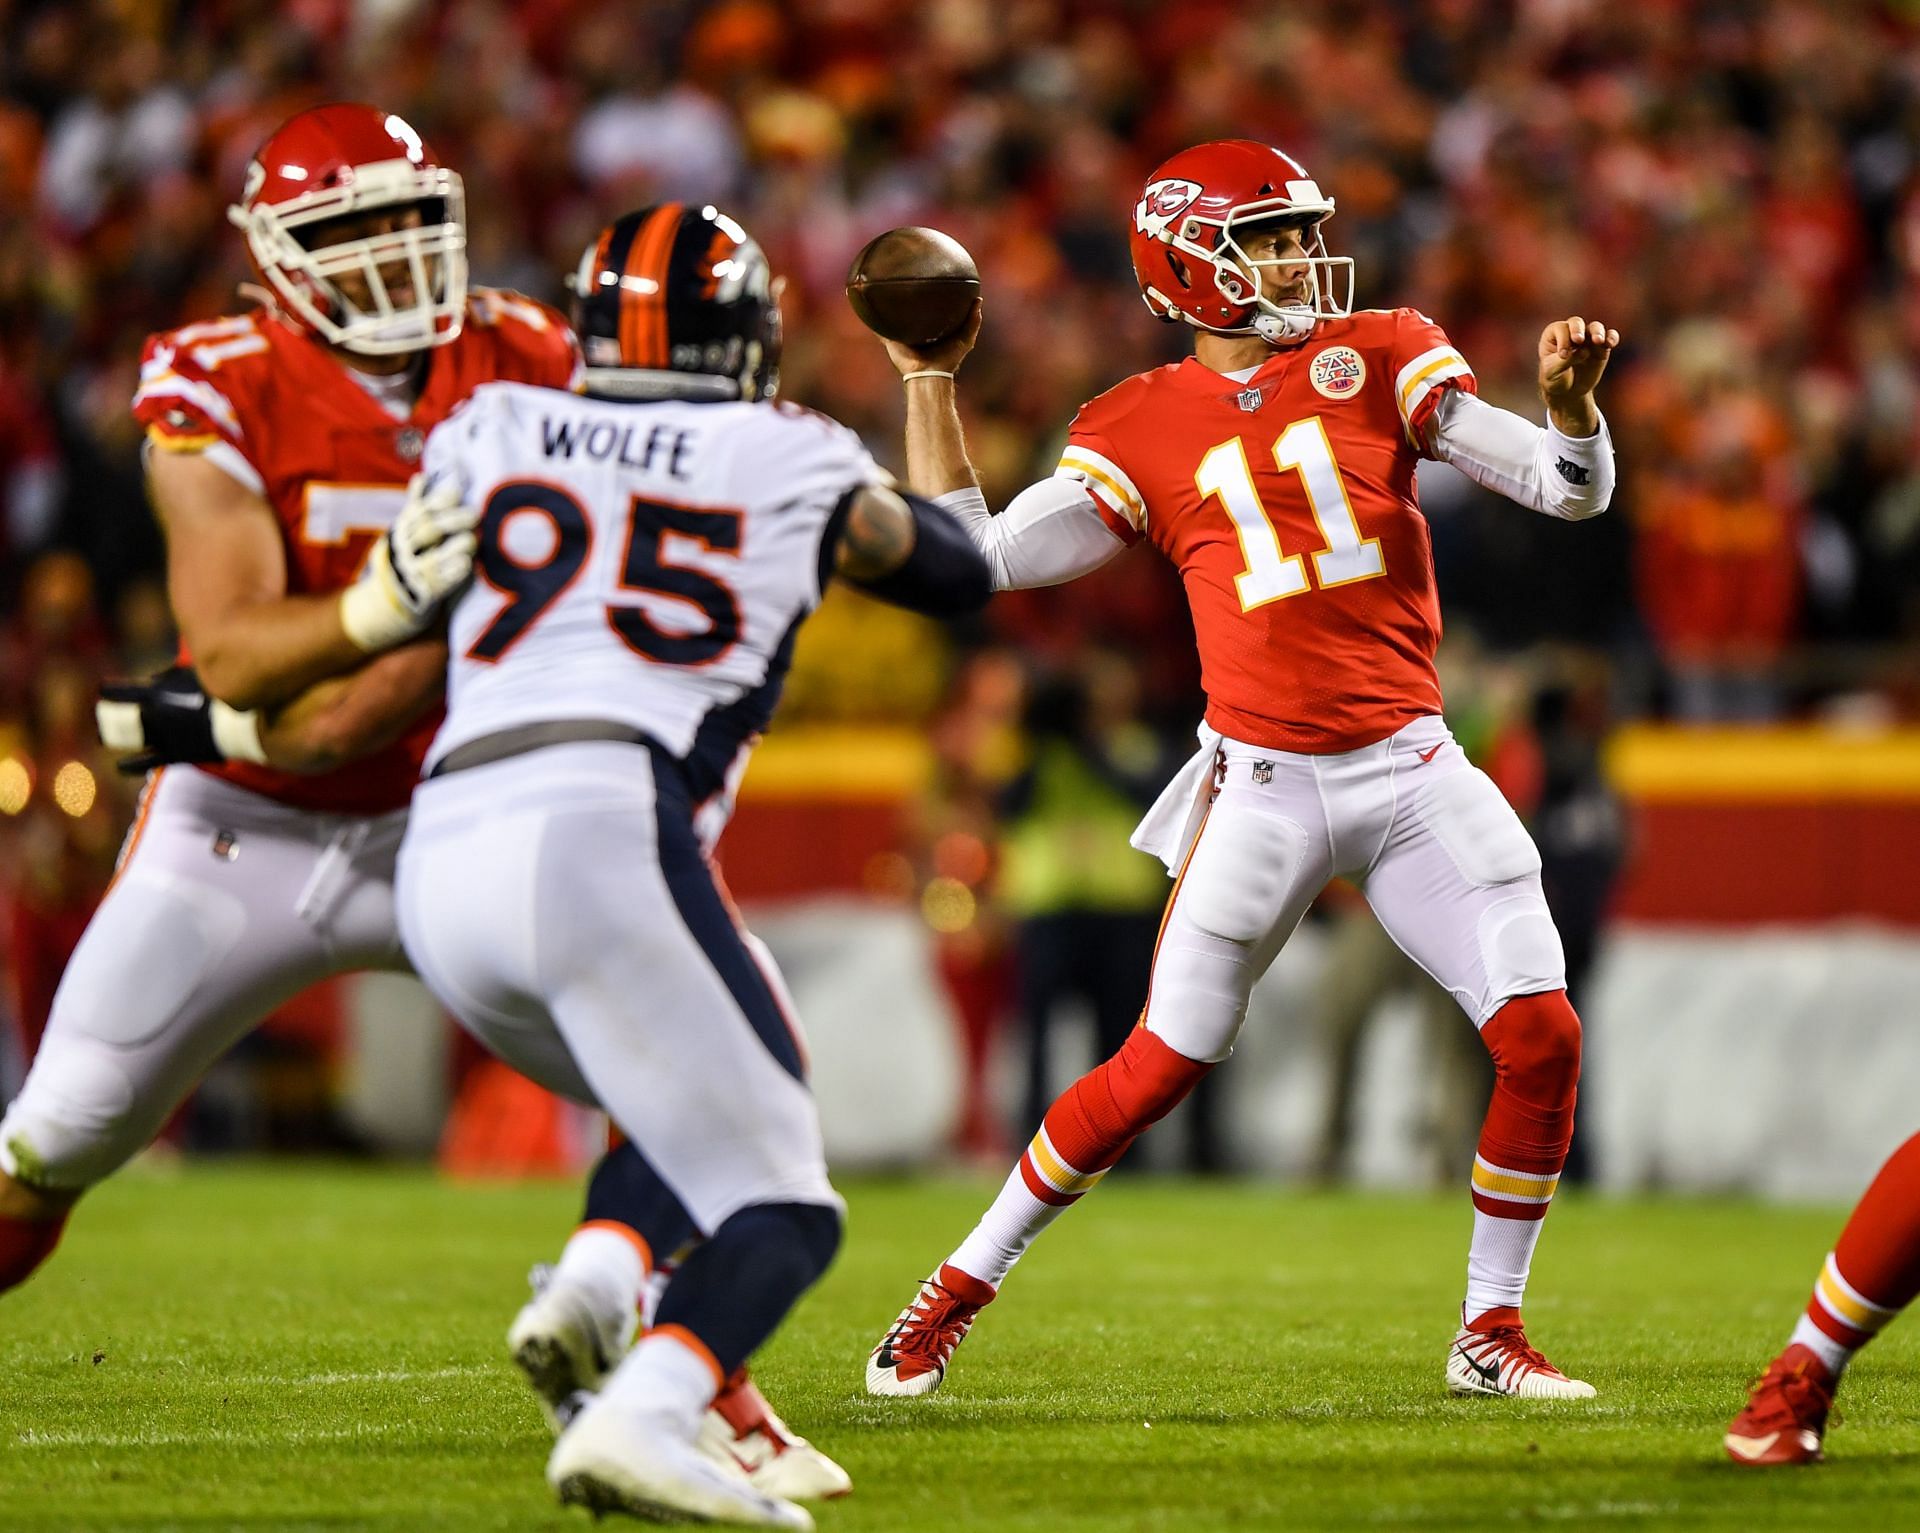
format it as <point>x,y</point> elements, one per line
<point>1439,853</point>
<point>559,903</point>
<point>226,905</point>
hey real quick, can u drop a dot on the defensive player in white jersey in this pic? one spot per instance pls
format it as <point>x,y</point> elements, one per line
<point>647,554</point>
<point>1275,468</point>
<point>280,443</point>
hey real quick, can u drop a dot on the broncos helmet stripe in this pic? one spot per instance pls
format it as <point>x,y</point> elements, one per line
<point>673,301</point>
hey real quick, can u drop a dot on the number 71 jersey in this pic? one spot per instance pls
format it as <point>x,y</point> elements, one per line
<point>1287,503</point>
<point>646,564</point>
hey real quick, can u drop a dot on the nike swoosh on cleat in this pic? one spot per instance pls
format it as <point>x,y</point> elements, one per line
<point>1751,1447</point>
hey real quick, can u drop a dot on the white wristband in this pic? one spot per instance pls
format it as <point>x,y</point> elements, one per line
<point>372,619</point>
<point>925,372</point>
<point>236,733</point>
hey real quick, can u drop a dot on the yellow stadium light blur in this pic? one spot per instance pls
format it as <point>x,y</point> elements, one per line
<point>74,789</point>
<point>948,905</point>
<point>16,785</point>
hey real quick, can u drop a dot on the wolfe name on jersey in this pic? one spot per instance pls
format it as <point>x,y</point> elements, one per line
<point>643,564</point>
<point>284,417</point>
<point>1287,503</point>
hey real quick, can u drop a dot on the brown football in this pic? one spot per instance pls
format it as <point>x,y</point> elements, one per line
<point>915,286</point>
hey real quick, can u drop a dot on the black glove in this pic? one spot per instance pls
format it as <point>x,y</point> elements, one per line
<point>165,719</point>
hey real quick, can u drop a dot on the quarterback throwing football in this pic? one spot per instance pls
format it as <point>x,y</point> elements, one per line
<point>1275,468</point>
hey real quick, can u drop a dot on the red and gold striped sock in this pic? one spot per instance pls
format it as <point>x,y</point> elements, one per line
<point>1535,1043</point>
<point>1084,1133</point>
<point>1873,1271</point>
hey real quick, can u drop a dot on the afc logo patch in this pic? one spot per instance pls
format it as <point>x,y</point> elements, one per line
<point>1338,372</point>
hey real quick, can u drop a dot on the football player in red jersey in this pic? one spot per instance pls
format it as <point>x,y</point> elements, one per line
<point>1275,468</point>
<point>1871,1275</point>
<point>305,575</point>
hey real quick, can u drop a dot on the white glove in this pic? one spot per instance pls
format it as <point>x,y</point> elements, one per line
<point>425,558</point>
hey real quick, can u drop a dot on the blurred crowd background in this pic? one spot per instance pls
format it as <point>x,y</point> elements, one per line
<point>1735,185</point>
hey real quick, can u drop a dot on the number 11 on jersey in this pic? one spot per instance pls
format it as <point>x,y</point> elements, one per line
<point>1270,574</point>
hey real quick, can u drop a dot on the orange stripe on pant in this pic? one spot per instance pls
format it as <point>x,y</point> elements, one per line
<point>1167,914</point>
<point>141,815</point>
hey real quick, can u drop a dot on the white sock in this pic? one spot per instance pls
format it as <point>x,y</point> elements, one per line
<point>1830,1352</point>
<point>664,1378</point>
<point>1011,1223</point>
<point>1498,1261</point>
<point>607,1265</point>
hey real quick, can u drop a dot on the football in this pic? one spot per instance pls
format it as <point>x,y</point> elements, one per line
<point>914,286</point>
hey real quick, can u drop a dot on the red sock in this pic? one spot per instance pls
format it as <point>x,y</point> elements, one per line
<point>1535,1043</point>
<point>1874,1271</point>
<point>1093,1121</point>
<point>24,1245</point>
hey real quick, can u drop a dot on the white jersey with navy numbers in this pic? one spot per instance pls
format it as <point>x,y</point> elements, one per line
<point>640,563</point>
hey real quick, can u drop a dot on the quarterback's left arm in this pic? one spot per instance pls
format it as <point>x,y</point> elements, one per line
<point>1564,469</point>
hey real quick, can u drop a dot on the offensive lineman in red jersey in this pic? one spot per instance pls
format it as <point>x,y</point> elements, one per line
<point>1275,468</point>
<point>305,577</point>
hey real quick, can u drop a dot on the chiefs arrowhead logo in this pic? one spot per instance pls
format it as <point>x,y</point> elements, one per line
<point>1161,204</point>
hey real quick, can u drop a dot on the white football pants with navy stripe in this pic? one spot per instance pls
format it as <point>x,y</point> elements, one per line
<point>559,903</point>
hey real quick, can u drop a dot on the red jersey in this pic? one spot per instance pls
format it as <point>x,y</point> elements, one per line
<point>283,416</point>
<point>1287,504</point>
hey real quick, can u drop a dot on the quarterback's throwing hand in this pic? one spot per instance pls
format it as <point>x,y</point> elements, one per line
<point>939,356</point>
<point>1573,355</point>
<point>425,558</point>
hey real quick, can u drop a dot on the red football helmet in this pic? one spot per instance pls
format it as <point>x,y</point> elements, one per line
<point>1190,263</point>
<point>333,161</point>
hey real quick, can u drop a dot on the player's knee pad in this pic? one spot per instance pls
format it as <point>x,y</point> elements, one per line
<point>1535,1043</point>
<point>1239,879</point>
<point>77,1119</point>
<point>1520,945</point>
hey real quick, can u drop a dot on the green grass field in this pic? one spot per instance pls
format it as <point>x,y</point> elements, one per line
<point>289,1347</point>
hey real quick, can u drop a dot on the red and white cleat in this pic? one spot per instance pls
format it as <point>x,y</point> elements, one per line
<point>1786,1412</point>
<point>1492,1356</point>
<point>742,1427</point>
<point>912,1357</point>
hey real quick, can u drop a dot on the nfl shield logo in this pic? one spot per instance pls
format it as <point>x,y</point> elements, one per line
<point>408,443</point>
<point>1248,400</point>
<point>1263,771</point>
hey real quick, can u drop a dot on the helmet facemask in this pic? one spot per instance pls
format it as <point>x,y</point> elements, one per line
<point>1329,279</point>
<point>305,278</point>
<point>1210,247</point>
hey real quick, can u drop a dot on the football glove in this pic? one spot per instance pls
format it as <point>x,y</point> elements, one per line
<point>425,558</point>
<point>169,718</point>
